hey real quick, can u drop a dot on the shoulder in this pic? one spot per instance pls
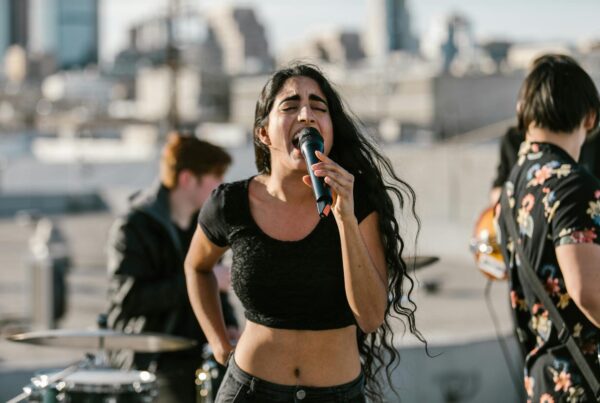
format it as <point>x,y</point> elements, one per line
<point>233,187</point>
<point>135,224</point>
<point>573,204</point>
<point>572,178</point>
<point>134,218</point>
<point>223,211</point>
<point>229,193</point>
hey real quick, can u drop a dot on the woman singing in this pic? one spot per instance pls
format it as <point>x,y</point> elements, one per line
<point>317,292</point>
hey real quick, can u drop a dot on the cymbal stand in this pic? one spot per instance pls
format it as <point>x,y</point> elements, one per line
<point>101,360</point>
<point>101,357</point>
<point>43,381</point>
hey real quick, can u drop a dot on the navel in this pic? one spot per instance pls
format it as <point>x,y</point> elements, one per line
<point>297,372</point>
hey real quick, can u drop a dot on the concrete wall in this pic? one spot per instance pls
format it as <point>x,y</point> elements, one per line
<point>375,98</point>
<point>470,372</point>
<point>466,103</point>
<point>451,181</point>
<point>45,204</point>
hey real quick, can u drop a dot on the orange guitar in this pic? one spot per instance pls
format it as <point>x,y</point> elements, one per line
<point>485,247</point>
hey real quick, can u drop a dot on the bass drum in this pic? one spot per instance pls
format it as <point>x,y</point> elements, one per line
<point>484,246</point>
<point>97,386</point>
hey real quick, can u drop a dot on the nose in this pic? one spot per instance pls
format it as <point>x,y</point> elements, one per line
<point>306,114</point>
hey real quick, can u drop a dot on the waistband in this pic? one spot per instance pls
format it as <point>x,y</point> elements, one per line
<point>341,392</point>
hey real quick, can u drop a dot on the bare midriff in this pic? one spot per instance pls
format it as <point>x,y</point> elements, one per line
<point>299,357</point>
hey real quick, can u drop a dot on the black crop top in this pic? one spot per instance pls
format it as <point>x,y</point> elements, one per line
<point>281,284</point>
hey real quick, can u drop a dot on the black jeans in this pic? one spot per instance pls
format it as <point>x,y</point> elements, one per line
<point>239,386</point>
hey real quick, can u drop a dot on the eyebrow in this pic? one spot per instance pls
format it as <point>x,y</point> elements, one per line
<point>296,97</point>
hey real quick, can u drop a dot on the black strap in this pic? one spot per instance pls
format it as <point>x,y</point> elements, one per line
<point>528,274</point>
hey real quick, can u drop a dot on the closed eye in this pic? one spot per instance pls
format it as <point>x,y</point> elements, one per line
<point>289,105</point>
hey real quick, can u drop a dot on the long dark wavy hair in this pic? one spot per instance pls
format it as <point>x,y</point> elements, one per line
<point>356,153</point>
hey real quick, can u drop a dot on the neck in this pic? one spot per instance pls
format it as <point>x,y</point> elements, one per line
<point>180,209</point>
<point>287,187</point>
<point>570,142</point>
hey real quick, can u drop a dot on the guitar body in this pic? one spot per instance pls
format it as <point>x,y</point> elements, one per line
<point>484,246</point>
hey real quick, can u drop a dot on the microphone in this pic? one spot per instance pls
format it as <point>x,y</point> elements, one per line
<point>309,142</point>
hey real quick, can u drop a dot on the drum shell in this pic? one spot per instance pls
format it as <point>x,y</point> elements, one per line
<point>99,386</point>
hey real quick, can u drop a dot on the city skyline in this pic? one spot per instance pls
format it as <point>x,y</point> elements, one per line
<point>288,23</point>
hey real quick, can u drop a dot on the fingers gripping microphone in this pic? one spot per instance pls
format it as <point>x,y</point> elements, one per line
<point>309,142</point>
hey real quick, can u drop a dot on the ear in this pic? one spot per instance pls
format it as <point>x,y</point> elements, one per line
<point>519,107</point>
<point>589,122</point>
<point>263,136</point>
<point>185,177</point>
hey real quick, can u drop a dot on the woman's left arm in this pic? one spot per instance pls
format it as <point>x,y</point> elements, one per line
<point>365,272</point>
<point>365,275</point>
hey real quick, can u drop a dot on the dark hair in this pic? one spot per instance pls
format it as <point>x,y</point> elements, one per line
<point>185,151</point>
<point>359,156</point>
<point>557,95</point>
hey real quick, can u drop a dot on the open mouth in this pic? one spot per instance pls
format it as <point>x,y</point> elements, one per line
<point>296,140</point>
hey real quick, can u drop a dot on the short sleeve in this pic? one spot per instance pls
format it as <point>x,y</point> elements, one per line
<point>575,210</point>
<point>362,203</point>
<point>212,218</point>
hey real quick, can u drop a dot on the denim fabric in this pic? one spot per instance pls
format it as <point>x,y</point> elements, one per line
<point>239,386</point>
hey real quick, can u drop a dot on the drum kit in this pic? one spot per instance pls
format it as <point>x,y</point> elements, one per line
<point>92,380</point>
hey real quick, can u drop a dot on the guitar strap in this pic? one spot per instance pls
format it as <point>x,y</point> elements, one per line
<point>528,275</point>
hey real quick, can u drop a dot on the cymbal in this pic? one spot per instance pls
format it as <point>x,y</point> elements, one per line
<point>104,339</point>
<point>418,262</point>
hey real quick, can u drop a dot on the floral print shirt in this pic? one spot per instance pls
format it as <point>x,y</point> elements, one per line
<point>555,202</point>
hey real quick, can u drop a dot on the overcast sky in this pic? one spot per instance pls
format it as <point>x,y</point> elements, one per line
<point>288,21</point>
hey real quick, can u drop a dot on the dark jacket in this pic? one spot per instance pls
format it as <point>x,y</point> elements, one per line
<point>147,291</point>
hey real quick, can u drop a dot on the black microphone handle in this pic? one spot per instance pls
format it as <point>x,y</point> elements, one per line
<point>320,189</point>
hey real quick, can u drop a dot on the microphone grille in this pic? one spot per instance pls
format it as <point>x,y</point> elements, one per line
<point>309,133</point>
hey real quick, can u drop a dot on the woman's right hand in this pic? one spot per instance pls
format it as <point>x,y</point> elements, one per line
<point>222,353</point>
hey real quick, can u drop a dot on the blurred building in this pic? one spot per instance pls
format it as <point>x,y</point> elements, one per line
<point>450,42</point>
<point>59,34</point>
<point>14,23</point>
<point>389,28</point>
<point>242,40</point>
<point>521,55</point>
<point>402,104</point>
<point>201,95</point>
<point>173,64</point>
<point>340,47</point>
<point>497,50</point>
<point>188,34</point>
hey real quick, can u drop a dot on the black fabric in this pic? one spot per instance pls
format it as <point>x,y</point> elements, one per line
<point>147,290</point>
<point>282,284</point>
<point>239,386</point>
<point>509,148</point>
<point>550,194</point>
